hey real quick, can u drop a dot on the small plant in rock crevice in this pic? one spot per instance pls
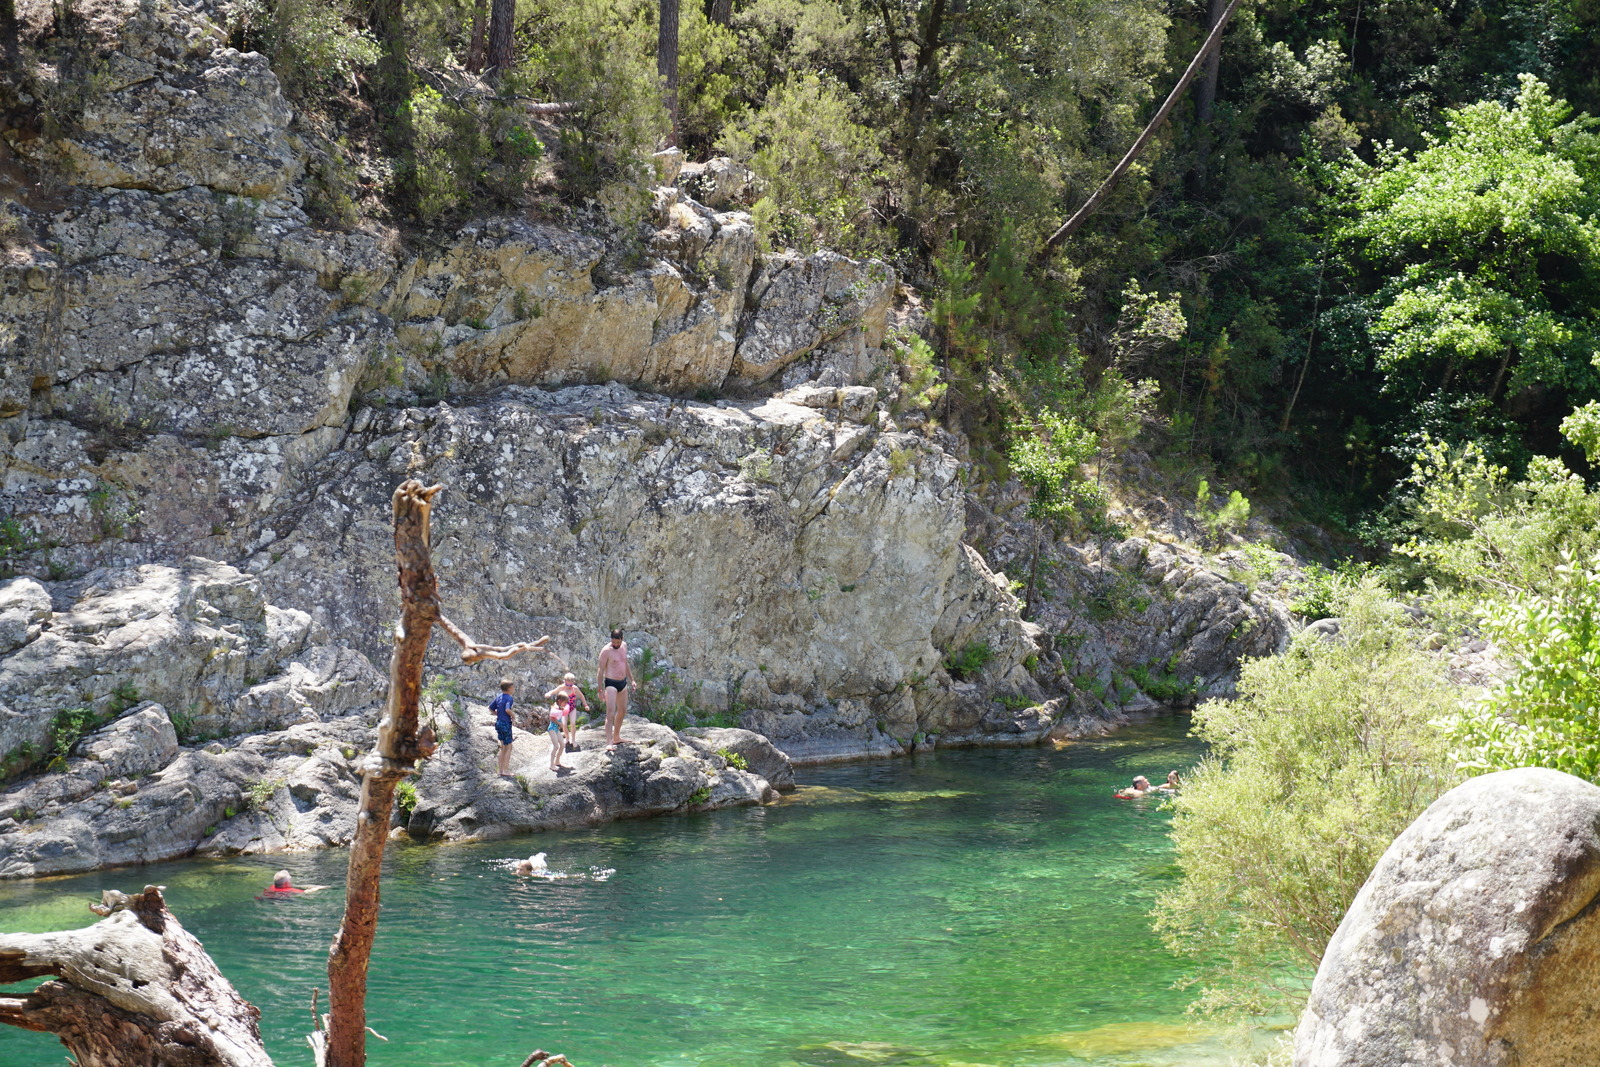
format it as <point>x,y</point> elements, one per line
<point>969,660</point>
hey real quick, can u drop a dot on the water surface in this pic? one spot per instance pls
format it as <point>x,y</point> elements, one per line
<point>961,908</point>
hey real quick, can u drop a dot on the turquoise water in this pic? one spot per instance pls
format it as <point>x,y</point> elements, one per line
<point>961,908</point>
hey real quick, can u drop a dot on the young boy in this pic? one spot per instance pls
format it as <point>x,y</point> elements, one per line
<point>501,707</point>
<point>568,694</point>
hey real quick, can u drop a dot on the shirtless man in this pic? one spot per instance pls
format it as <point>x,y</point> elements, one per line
<point>613,677</point>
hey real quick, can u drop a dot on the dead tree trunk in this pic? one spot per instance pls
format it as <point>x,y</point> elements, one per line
<point>398,749</point>
<point>134,990</point>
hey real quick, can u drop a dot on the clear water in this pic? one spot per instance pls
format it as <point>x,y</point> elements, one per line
<point>962,908</point>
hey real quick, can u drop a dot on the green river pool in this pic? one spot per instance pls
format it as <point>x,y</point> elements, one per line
<point>979,907</point>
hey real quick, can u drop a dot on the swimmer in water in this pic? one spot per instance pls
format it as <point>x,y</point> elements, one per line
<point>283,887</point>
<point>534,864</point>
<point>1139,788</point>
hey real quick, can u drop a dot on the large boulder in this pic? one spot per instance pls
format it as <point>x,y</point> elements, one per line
<point>1476,941</point>
<point>461,797</point>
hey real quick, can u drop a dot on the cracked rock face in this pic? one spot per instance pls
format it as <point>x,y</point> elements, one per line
<point>1476,940</point>
<point>773,558</point>
<point>197,638</point>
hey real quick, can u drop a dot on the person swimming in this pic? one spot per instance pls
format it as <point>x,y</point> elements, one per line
<point>283,888</point>
<point>1140,787</point>
<point>534,864</point>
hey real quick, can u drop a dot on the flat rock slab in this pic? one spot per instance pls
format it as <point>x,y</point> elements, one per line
<point>1476,941</point>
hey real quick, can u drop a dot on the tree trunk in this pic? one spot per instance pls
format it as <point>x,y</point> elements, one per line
<point>1205,94</point>
<point>477,48</point>
<point>721,12</point>
<point>1068,228</point>
<point>502,13</point>
<point>134,990</point>
<point>667,61</point>
<point>399,747</point>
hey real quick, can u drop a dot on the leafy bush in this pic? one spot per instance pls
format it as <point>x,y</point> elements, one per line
<point>733,759</point>
<point>818,166</point>
<point>1327,754</point>
<point>66,729</point>
<point>1161,682</point>
<point>1220,521</point>
<point>1547,714</point>
<point>1477,531</point>
<point>405,798</point>
<point>313,45</point>
<point>461,151</point>
<point>599,55</point>
<point>261,792</point>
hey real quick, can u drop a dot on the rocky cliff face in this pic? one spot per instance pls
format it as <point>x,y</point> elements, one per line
<point>193,369</point>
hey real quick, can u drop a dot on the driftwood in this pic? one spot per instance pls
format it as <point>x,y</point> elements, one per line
<point>343,1044</point>
<point>134,990</point>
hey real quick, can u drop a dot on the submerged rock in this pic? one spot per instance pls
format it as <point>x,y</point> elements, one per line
<point>1476,941</point>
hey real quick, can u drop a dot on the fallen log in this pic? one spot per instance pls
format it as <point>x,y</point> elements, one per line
<point>134,990</point>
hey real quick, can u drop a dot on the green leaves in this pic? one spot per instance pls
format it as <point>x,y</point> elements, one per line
<point>1490,236</point>
<point>1328,753</point>
<point>1547,714</point>
<point>1049,461</point>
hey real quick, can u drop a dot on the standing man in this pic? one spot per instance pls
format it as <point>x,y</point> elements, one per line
<point>501,706</point>
<point>613,676</point>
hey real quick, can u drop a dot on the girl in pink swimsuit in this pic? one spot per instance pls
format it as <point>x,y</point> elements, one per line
<point>569,695</point>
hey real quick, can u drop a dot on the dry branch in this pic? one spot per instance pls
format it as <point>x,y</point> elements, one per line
<point>399,746</point>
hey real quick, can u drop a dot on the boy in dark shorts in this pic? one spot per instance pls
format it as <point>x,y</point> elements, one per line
<point>501,706</point>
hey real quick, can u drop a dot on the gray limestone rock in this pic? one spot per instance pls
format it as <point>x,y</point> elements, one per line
<point>197,638</point>
<point>24,609</point>
<point>140,742</point>
<point>656,771</point>
<point>1476,940</point>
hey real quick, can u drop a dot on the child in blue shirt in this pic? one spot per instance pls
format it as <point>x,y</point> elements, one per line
<point>501,706</point>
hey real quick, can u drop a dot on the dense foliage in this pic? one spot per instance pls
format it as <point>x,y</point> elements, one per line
<point>1329,752</point>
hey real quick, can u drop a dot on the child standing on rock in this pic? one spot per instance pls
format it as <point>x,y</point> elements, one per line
<point>567,694</point>
<point>501,706</point>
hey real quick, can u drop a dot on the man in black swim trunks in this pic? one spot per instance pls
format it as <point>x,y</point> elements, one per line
<point>613,676</point>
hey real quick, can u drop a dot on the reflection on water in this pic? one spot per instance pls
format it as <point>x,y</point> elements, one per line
<point>983,907</point>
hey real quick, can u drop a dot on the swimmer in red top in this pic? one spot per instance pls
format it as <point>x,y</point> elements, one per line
<point>283,887</point>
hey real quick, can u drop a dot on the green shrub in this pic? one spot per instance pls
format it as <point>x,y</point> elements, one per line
<point>1161,682</point>
<point>600,55</point>
<point>314,46</point>
<point>66,729</point>
<point>261,792</point>
<point>464,149</point>
<point>405,797</point>
<point>1327,754</point>
<point>817,164</point>
<point>1547,714</point>
<point>969,660</point>
<point>1220,521</point>
<point>733,759</point>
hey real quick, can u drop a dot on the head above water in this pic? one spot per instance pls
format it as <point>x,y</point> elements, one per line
<point>281,880</point>
<point>1141,782</point>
